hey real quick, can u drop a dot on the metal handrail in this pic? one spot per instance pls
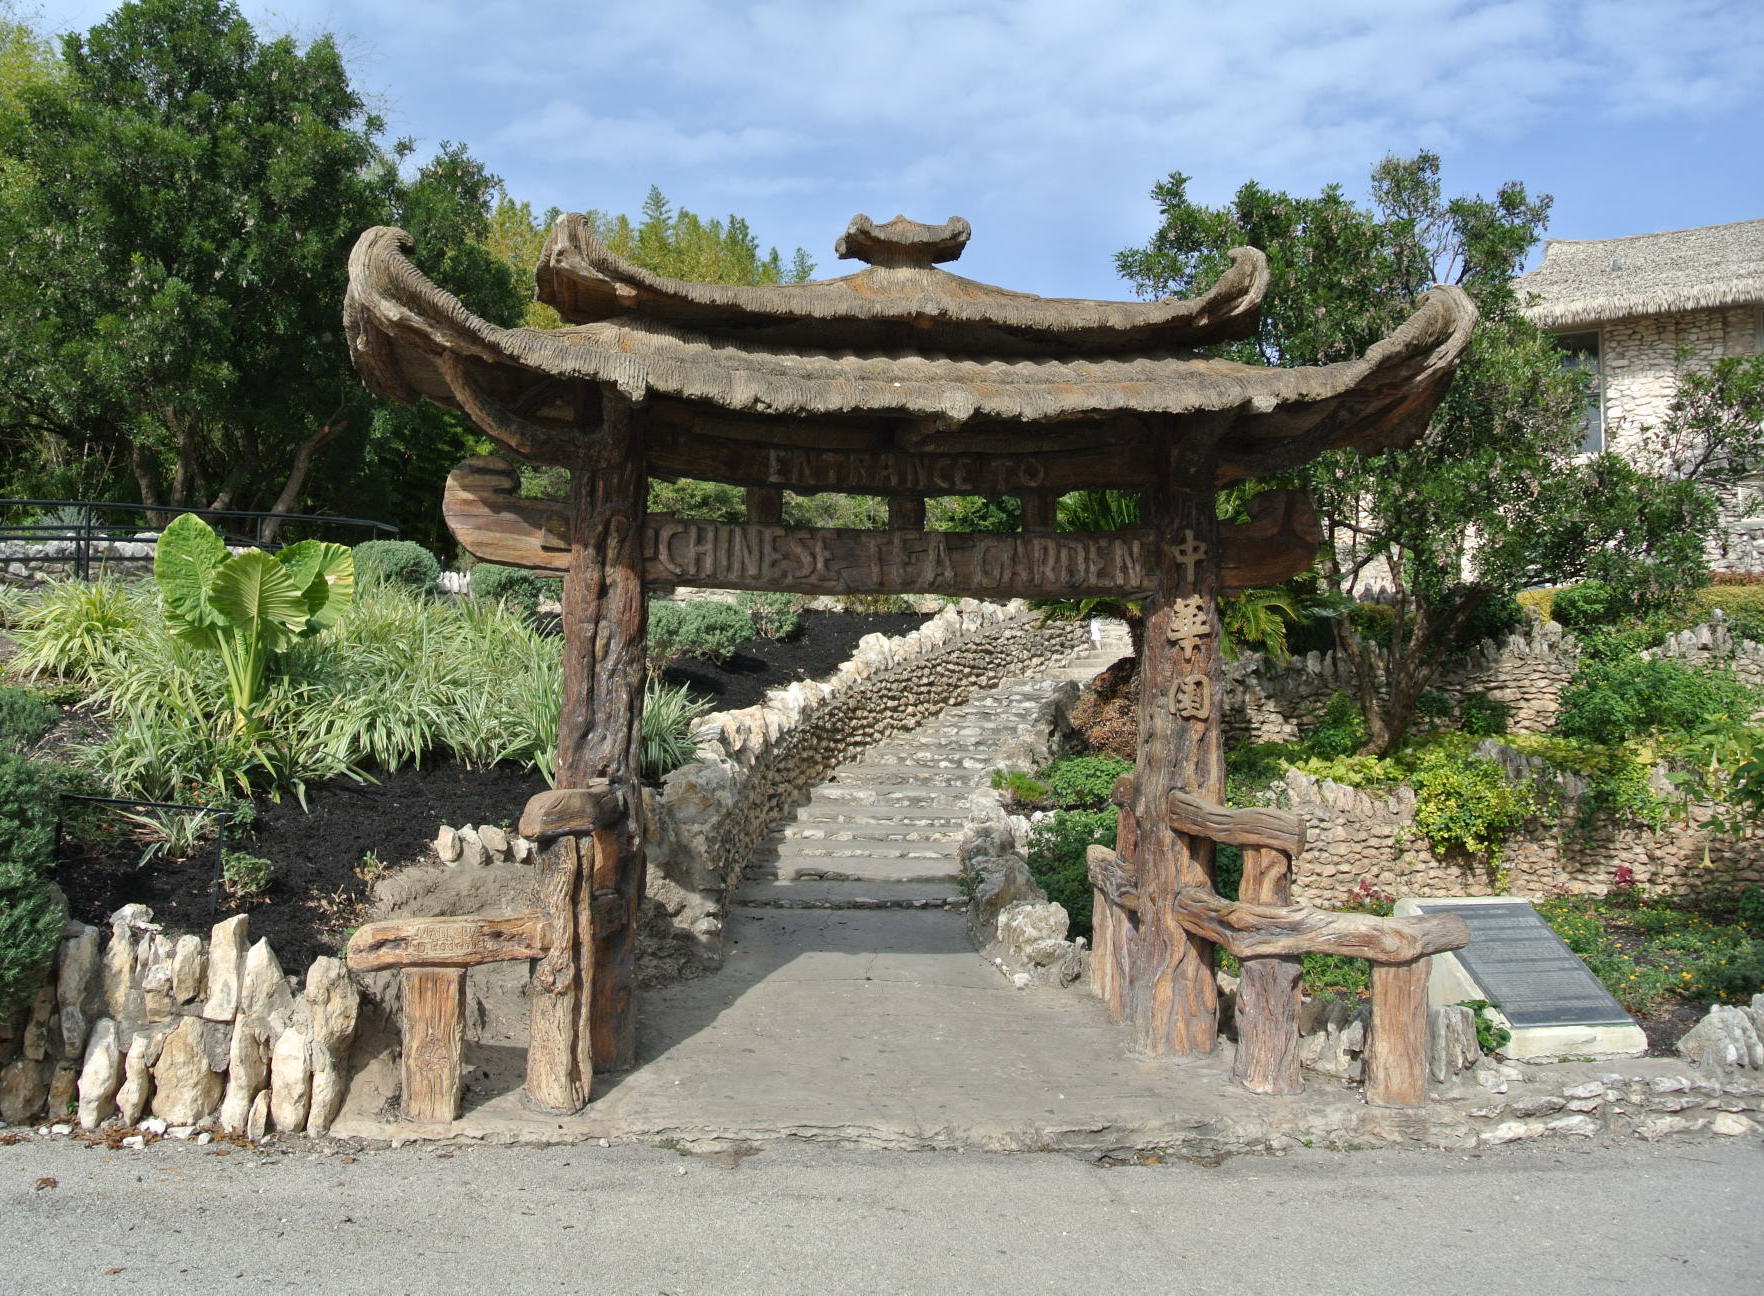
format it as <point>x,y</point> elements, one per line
<point>222,817</point>
<point>90,529</point>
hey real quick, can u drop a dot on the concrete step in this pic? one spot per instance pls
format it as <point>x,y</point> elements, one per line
<point>905,796</point>
<point>778,893</point>
<point>897,774</point>
<point>851,845</point>
<point>854,869</point>
<point>822,813</point>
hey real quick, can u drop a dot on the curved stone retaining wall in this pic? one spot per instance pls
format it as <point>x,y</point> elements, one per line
<point>754,764</point>
<point>184,1033</point>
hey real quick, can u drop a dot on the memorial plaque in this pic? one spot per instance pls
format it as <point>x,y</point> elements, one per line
<point>1526,970</point>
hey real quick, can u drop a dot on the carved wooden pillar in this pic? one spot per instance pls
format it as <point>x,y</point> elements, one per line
<point>1173,999</point>
<point>592,877</point>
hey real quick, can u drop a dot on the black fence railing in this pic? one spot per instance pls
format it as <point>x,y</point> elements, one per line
<point>84,533</point>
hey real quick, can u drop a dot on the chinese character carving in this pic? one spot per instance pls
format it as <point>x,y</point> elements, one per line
<point>1189,624</point>
<point>1191,697</point>
<point>1188,555</point>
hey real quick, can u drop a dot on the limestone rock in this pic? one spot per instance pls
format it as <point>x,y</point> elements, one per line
<point>153,973</point>
<point>264,994</point>
<point>63,1090</point>
<point>333,1004</point>
<point>1451,1042</point>
<point>24,1087</point>
<point>447,845</point>
<point>257,1123</point>
<point>471,850</point>
<point>34,1043</point>
<point>1732,1124</point>
<point>494,840</point>
<point>188,1081</point>
<point>248,1059</point>
<point>1728,1039</point>
<point>290,1081</point>
<point>77,983</point>
<point>123,1000</point>
<point>1021,925</point>
<point>137,1085</point>
<point>189,969</point>
<point>101,1074</point>
<point>226,966</point>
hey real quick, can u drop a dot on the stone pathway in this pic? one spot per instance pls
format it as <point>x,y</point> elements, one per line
<point>882,832</point>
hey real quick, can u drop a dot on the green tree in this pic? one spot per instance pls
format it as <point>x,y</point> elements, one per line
<point>1491,497</point>
<point>174,259</point>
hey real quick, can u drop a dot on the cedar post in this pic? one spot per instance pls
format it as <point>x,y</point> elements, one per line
<point>434,1041</point>
<point>1173,998</point>
<point>1396,1052</point>
<point>1267,1058</point>
<point>592,876</point>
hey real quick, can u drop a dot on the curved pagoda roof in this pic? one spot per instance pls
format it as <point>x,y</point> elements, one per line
<point>901,354</point>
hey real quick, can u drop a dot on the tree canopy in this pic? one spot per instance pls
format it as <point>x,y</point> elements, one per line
<point>1494,496</point>
<point>175,252</point>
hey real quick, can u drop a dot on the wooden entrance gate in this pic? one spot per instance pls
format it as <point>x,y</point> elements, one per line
<point>906,382</point>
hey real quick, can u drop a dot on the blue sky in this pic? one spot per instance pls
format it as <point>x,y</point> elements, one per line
<point>1046,122</point>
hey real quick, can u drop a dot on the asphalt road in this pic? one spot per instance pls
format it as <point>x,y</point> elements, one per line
<point>1557,1219</point>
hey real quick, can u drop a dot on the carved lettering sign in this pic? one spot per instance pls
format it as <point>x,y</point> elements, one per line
<point>810,468</point>
<point>491,522</point>
<point>811,560</point>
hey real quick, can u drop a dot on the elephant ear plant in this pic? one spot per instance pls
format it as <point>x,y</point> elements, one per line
<point>248,606</point>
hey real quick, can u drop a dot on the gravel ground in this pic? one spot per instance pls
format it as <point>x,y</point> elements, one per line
<point>647,1221</point>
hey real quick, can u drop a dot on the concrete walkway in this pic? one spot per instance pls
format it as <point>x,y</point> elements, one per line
<point>853,1009</point>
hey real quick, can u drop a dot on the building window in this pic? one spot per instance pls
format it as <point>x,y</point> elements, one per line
<point>1581,351</point>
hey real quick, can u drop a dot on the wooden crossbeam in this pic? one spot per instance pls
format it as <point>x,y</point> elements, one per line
<point>446,942</point>
<point>1260,930</point>
<point>492,522</point>
<point>1275,830</point>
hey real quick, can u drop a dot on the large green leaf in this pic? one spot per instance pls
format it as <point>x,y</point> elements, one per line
<point>259,600</point>
<point>184,563</point>
<point>324,573</point>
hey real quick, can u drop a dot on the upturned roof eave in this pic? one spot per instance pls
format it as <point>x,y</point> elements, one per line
<point>400,324</point>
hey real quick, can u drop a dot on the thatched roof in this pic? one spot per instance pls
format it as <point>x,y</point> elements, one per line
<point>1589,281</point>
<point>899,298</point>
<point>779,361</point>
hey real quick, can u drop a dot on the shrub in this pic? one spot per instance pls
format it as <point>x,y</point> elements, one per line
<point>70,626</point>
<point>774,615</point>
<point>1339,731</point>
<point>1058,863</point>
<point>28,801</point>
<point>513,587</point>
<point>1615,698</point>
<point>1481,716</point>
<point>24,719</point>
<point>1495,619</point>
<point>689,498</point>
<point>1022,790</point>
<point>1590,605</point>
<point>245,876</point>
<point>1084,782</point>
<point>1743,604</point>
<point>701,628</point>
<point>397,562</point>
<point>1466,802</point>
<point>32,916</point>
<point>666,735</point>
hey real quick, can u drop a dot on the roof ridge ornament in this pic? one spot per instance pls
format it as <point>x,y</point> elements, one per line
<point>902,243</point>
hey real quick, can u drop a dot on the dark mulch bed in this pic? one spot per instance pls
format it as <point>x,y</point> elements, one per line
<point>321,883</point>
<point>822,643</point>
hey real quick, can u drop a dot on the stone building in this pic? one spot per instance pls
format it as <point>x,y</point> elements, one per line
<point>1640,311</point>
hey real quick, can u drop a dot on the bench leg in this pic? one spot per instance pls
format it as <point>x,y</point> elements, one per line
<point>434,1042</point>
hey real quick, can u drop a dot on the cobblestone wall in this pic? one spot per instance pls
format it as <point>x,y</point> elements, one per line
<point>1641,360</point>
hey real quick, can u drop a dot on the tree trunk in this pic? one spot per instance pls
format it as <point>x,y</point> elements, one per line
<point>298,472</point>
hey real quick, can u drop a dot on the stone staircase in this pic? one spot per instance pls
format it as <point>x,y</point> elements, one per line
<point>882,832</point>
